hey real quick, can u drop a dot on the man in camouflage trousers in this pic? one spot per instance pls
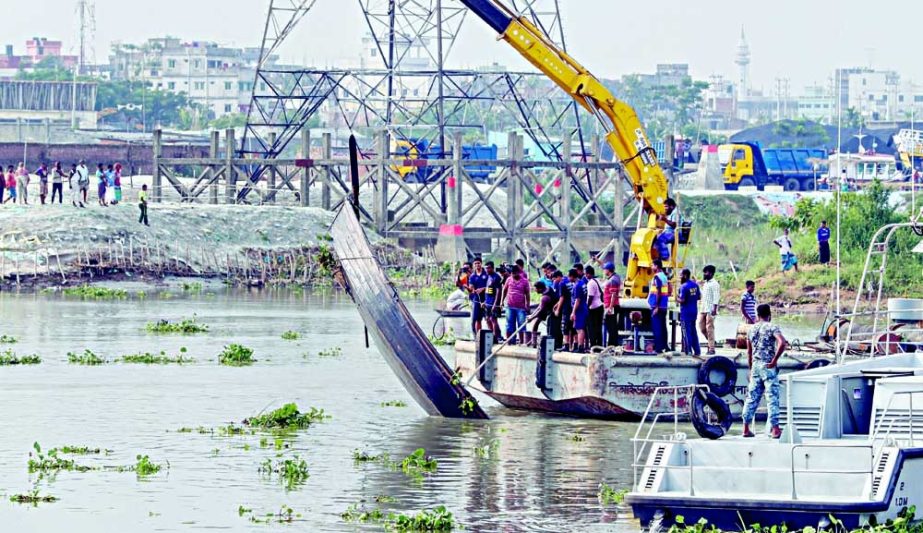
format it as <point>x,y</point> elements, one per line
<point>765,345</point>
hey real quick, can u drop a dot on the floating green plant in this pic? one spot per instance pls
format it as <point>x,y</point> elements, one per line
<point>45,462</point>
<point>418,463</point>
<point>236,355</point>
<point>193,286</point>
<point>366,457</point>
<point>284,515</point>
<point>95,292</point>
<point>9,358</point>
<point>384,498</point>
<point>8,339</point>
<point>437,519</point>
<point>487,450</point>
<point>162,358</point>
<point>145,467</point>
<point>394,403</point>
<point>287,417</point>
<point>292,471</point>
<point>468,405</point>
<point>336,351</point>
<point>446,340</point>
<point>186,326</point>
<point>291,335</point>
<point>80,450</point>
<point>87,358</point>
<point>356,514</point>
<point>610,495</point>
<point>577,437</point>
<point>33,498</point>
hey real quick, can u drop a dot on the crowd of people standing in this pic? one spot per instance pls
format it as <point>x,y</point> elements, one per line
<point>15,183</point>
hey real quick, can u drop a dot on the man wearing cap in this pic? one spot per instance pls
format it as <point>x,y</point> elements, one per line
<point>611,301</point>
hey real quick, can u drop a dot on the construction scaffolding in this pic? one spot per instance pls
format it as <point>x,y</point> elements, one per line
<point>408,90</point>
<point>23,95</point>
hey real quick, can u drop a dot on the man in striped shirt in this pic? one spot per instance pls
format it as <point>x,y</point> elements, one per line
<point>748,304</point>
<point>711,297</point>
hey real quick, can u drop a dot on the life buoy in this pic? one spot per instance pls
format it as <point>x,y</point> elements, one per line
<point>818,363</point>
<point>724,369</point>
<point>700,420</point>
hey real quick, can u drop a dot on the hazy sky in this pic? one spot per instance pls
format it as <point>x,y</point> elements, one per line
<point>803,40</point>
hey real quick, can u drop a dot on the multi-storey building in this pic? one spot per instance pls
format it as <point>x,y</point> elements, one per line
<point>218,78</point>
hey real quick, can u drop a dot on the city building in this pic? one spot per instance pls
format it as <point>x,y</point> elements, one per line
<point>817,103</point>
<point>720,104</point>
<point>743,67</point>
<point>878,95</point>
<point>218,78</point>
<point>38,49</point>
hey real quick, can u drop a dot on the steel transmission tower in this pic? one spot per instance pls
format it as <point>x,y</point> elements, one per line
<point>406,87</point>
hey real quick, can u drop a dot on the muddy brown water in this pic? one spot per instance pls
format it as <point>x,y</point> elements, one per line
<point>536,478</point>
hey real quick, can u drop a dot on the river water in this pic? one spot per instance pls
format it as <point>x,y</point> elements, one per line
<point>534,476</point>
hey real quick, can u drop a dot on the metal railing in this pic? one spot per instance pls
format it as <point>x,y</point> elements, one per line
<point>884,416</point>
<point>642,445</point>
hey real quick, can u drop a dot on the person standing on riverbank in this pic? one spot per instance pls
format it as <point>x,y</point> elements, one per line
<point>765,344</point>
<point>57,182</point>
<point>101,184</point>
<point>823,243</point>
<point>117,183</point>
<point>42,173</point>
<point>748,304</point>
<point>22,184</point>
<point>711,298</point>
<point>787,257</point>
<point>142,204</point>
<point>688,299</point>
<point>611,302</point>
<point>83,181</point>
<point>10,184</point>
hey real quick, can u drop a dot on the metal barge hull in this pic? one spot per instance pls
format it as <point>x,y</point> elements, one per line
<point>605,385</point>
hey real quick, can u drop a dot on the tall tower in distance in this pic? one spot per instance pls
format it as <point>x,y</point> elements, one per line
<point>743,65</point>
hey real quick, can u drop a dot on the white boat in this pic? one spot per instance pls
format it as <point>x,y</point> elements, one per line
<point>852,445</point>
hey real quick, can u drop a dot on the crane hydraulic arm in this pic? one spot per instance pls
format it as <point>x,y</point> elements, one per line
<point>625,134</point>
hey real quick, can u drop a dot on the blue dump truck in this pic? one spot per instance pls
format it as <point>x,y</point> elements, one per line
<point>418,151</point>
<point>745,164</point>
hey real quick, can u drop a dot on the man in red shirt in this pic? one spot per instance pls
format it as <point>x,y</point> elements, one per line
<point>611,301</point>
<point>517,292</point>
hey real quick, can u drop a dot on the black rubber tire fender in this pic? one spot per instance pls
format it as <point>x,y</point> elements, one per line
<point>705,429</point>
<point>723,366</point>
<point>818,363</point>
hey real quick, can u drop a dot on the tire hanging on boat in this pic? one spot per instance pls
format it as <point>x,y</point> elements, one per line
<point>818,363</point>
<point>723,366</point>
<point>700,419</point>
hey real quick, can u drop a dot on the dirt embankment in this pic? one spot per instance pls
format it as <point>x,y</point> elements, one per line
<point>791,293</point>
<point>42,245</point>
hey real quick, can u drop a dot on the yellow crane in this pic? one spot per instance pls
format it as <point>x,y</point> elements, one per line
<point>625,133</point>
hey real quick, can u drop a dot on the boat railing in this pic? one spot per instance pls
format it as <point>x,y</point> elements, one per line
<point>877,329</point>
<point>839,471</point>
<point>884,417</point>
<point>641,445</point>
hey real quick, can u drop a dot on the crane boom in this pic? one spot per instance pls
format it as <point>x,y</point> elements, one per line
<point>625,133</point>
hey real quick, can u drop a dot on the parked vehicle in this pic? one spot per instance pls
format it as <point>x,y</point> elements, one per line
<point>746,164</point>
<point>419,151</point>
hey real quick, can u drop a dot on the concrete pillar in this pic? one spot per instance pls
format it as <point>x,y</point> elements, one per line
<point>380,193</point>
<point>156,185</point>
<point>305,189</point>
<point>450,246</point>
<point>271,178</point>
<point>327,149</point>
<point>230,175</point>
<point>213,154</point>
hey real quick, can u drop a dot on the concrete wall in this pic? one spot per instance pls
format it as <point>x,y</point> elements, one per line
<point>136,158</point>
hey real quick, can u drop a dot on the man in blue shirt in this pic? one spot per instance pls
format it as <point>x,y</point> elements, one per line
<point>748,304</point>
<point>658,299</point>
<point>823,243</point>
<point>477,286</point>
<point>688,299</point>
<point>579,311</point>
<point>562,288</point>
<point>492,304</point>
